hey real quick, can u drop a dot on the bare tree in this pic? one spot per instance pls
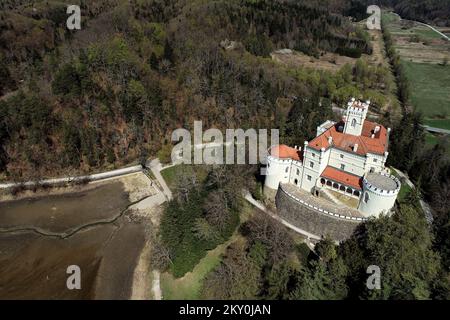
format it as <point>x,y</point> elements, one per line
<point>160,256</point>
<point>272,234</point>
<point>217,210</point>
<point>187,183</point>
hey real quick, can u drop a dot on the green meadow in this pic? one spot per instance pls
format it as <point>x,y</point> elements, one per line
<point>430,91</point>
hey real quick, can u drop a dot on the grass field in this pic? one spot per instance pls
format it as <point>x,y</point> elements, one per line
<point>170,174</point>
<point>430,90</point>
<point>188,287</point>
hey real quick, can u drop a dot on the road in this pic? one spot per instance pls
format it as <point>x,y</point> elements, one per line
<point>424,24</point>
<point>156,167</point>
<point>437,130</point>
<point>90,178</point>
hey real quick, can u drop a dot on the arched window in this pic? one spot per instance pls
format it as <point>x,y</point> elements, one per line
<point>287,169</point>
<point>366,197</point>
<point>353,123</point>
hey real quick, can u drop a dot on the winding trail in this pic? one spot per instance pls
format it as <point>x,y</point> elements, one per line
<point>263,208</point>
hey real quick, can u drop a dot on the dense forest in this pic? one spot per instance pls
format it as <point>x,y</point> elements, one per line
<point>263,260</point>
<point>111,93</point>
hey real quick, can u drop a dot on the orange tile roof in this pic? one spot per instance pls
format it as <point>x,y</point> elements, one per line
<point>340,176</point>
<point>346,142</point>
<point>282,151</point>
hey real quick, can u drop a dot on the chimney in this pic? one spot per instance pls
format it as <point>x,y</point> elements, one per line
<point>330,140</point>
<point>355,147</point>
<point>372,136</point>
<point>377,128</point>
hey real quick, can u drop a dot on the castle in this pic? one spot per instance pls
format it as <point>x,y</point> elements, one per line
<point>346,157</point>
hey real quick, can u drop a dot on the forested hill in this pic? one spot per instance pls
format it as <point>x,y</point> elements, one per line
<point>114,91</point>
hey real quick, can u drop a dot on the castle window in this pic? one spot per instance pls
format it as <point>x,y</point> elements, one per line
<point>366,197</point>
<point>313,155</point>
<point>311,164</point>
<point>342,166</point>
<point>287,169</point>
<point>298,172</point>
<point>296,182</point>
<point>342,156</point>
<point>309,178</point>
<point>354,123</point>
<point>375,160</point>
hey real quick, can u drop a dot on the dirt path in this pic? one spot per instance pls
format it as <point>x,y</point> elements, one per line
<point>141,289</point>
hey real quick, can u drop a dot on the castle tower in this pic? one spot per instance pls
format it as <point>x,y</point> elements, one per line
<point>354,117</point>
<point>379,193</point>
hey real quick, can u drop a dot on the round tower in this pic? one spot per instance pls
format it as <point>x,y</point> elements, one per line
<point>379,193</point>
<point>279,163</point>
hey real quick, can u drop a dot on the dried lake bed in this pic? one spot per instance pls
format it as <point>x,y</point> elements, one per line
<point>89,226</point>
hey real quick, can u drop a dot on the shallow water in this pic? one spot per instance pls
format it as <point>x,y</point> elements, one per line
<point>33,266</point>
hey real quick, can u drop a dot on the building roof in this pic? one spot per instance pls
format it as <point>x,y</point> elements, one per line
<point>382,182</point>
<point>342,177</point>
<point>282,151</point>
<point>366,144</point>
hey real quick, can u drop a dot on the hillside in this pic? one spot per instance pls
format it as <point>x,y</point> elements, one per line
<point>113,92</point>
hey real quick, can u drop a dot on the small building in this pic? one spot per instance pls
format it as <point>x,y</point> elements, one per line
<point>347,157</point>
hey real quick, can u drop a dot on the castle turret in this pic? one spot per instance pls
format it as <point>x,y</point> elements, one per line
<point>354,116</point>
<point>379,193</point>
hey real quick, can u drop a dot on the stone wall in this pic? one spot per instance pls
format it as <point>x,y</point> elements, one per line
<point>311,220</point>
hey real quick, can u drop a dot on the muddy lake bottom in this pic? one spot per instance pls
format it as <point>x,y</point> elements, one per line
<point>41,237</point>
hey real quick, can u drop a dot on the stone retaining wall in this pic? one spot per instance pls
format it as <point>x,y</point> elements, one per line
<point>311,220</point>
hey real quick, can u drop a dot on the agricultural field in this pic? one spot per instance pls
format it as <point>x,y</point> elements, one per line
<point>425,55</point>
<point>430,91</point>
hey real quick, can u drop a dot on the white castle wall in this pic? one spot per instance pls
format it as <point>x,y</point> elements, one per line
<point>353,163</point>
<point>310,174</point>
<point>278,170</point>
<point>374,201</point>
<point>296,173</point>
